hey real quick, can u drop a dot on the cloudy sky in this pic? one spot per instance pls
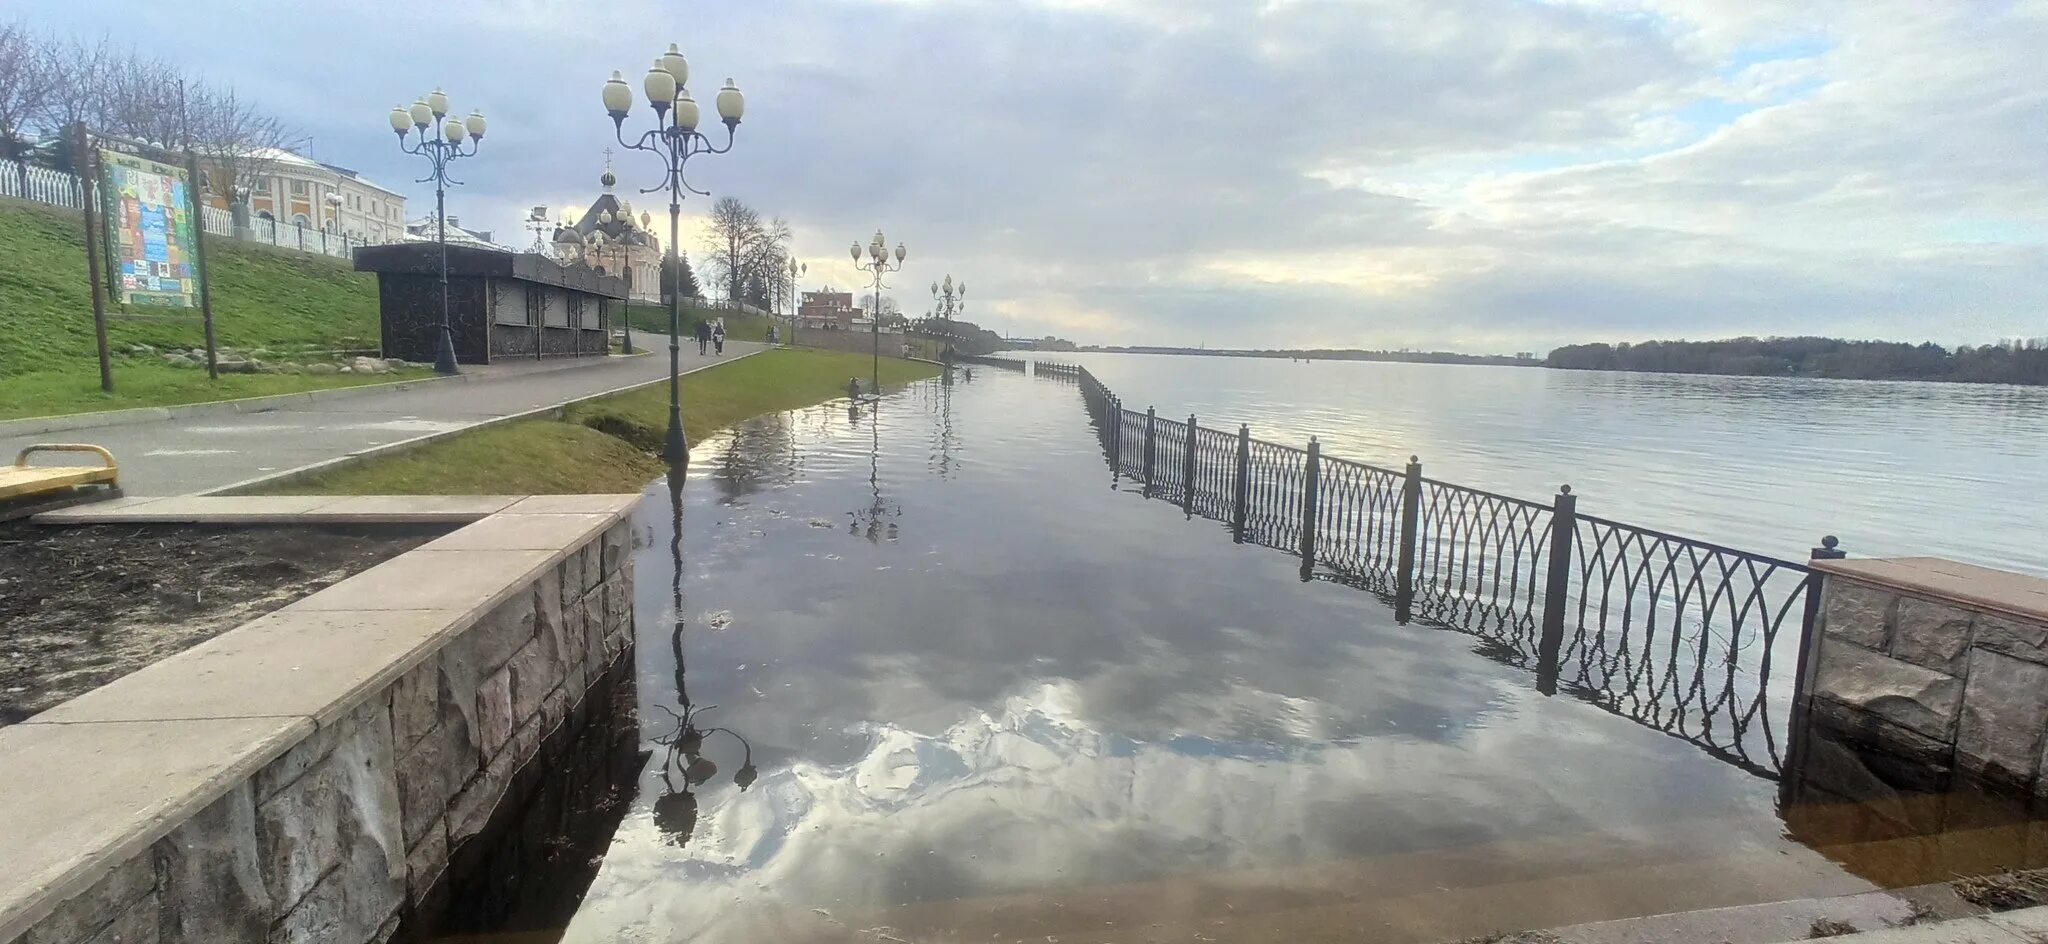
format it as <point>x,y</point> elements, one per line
<point>1480,175</point>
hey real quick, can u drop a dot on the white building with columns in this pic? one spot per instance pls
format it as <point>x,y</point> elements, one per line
<point>293,189</point>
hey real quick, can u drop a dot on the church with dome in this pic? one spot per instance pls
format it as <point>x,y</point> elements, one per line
<point>612,239</point>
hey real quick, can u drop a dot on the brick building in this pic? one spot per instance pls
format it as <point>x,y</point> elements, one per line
<point>830,311</point>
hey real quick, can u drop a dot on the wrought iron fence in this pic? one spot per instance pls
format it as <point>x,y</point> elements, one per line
<point>1678,634</point>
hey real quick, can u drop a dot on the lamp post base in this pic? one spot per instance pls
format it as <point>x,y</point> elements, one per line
<point>444,354</point>
<point>673,451</point>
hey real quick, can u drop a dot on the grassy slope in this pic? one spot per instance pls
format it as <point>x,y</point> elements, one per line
<point>262,297</point>
<point>606,445</point>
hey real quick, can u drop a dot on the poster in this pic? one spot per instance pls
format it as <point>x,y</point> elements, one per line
<point>149,220</point>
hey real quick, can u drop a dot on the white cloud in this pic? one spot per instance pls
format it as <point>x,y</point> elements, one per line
<point>1359,172</point>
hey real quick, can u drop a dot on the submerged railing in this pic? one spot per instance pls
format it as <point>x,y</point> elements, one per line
<point>1679,634</point>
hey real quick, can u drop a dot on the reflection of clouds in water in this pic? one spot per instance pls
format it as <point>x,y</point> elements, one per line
<point>1032,796</point>
<point>1023,715</point>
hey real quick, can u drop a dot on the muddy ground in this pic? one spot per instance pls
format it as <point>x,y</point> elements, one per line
<point>82,606</point>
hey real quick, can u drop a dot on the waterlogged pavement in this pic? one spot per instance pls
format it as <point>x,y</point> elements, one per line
<point>175,456</point>
<point>943,682</point>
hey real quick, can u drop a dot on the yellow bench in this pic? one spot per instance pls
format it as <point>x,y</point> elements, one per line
<point>22,480</point>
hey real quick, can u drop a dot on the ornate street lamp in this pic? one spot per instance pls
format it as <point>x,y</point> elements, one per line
<point>675,140</point>
<point>878,263</point>
<point>334,206</point>
<point>949,301</point>
<point>796,271</point>
<point>616,252</point>
<point>440,142</point>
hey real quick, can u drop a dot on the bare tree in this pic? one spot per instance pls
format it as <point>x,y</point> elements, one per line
<point>142,100</point>
<point>732,233</point>
<point>77,74</point>
<point>767,263</point>
<point>235,140</point>
<point>24,83</point>
<point>24,88</point>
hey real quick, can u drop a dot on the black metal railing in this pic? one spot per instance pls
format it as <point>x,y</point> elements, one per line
<point>1679,634</point>
<point>1042,368</point>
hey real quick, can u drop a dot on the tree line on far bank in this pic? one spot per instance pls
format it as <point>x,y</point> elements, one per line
<point>2012,362</point>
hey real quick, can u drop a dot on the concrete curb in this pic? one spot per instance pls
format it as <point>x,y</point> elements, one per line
<point>31,425</point>
<point>554,412</point>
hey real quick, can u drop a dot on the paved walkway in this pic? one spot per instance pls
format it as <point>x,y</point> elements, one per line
<point>178,456</point>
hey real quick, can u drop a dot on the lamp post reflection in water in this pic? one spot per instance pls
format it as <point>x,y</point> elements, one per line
<point>868,522</point>
<point>675,810</point>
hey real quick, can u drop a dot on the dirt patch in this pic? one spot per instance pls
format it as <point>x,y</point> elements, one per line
<point>82,606</point>
<point>2005,891</point>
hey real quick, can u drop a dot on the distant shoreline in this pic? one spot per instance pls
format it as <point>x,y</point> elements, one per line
<point>2019,365</point>
<point>1407,357</point>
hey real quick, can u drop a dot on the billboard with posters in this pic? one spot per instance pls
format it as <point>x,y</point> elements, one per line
<point>149,217</point>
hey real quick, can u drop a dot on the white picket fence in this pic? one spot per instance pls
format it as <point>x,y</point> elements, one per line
<point>57,188</point>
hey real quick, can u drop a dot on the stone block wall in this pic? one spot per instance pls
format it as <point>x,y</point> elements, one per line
<point>353,827</point>
<point>1939,664</point>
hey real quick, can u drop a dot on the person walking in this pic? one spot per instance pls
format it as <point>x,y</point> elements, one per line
<point>703,335</point>
<point>718,336</point>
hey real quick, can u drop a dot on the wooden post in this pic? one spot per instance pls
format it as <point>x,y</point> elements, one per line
<point>199,262</point>
<point>86,170</point>
<point>1411,513</point>
<point>1310,480</point>
<point>1151,427</point>
<point>1563,524</point>
<point>1240,493</point>
<point>1187,468</point>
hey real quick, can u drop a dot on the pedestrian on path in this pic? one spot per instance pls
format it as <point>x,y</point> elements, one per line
<point>718,336</point>
<point>703,335</point>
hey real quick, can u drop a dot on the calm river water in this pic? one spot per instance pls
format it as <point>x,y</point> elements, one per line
<point>1764,464</point>
<point>922,674</point>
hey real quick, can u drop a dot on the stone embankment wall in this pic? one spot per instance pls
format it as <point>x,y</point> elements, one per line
<point>466,658</point>
<point>1936,662</point>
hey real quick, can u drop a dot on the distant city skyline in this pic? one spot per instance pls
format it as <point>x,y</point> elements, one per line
<point>1468,175</point>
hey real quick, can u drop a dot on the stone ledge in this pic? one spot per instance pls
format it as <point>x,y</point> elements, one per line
<point>469,582</point>
<point>311,664</point>
<point>84,798</point>
<point>284,509</point>
<point>1967,585</point>
<point>94,782</point>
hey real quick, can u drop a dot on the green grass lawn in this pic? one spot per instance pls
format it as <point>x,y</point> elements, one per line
<point>262,298</point>
<point>651,319</point>
<point>56,392</point>
<point>607,444</point>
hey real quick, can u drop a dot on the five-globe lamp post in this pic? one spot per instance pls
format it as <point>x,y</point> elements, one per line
<point>949,300</point>
<point>618,254</point>
<point>441,140</point>
<point>878,263</point>
<point>675,140</point>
